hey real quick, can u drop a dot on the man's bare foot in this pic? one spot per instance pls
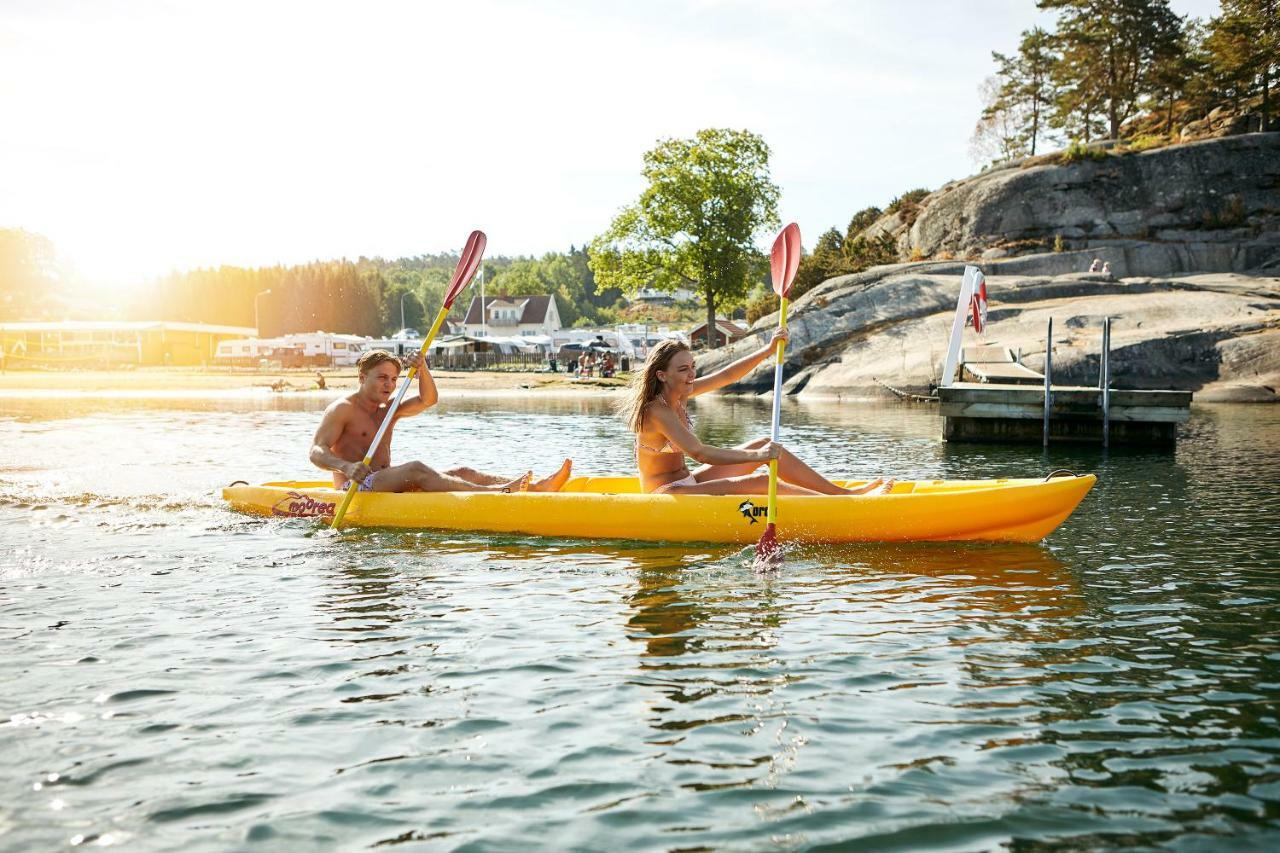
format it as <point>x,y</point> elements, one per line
<point>519,484</point>
<point>556,481</point>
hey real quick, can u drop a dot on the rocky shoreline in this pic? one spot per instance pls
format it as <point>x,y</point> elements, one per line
<point>1192,236</point>
<point>1217,334</point>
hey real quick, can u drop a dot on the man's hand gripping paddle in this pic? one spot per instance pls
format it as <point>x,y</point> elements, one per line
<point>783,262</point>
<point>467,266</point>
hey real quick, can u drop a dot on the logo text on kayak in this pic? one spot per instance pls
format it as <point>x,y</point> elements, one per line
<point>298,505</point>
<point>751,512</point>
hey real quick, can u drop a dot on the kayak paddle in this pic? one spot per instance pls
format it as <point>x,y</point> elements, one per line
<point>783,262</point>
<point>467,265</point>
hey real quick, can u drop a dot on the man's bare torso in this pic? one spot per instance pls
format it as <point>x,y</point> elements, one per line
<point>358,429</point>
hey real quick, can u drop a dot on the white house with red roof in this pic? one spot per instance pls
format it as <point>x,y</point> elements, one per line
<point>505,316</point>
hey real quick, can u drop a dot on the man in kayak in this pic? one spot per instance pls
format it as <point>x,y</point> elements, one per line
<point>350,423</point>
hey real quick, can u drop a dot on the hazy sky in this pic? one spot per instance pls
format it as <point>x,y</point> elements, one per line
<point>149,135</point>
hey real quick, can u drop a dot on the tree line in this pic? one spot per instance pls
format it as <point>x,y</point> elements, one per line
<point>367,296</point>
<point>1106,63</point>
<point>32,285</point>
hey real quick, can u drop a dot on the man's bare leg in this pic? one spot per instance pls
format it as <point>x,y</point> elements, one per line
<point>479,478</point>
<point>415,476</point>
<point>556,481</point>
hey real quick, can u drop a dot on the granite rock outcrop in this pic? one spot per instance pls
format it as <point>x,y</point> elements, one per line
<point>1192,236</point>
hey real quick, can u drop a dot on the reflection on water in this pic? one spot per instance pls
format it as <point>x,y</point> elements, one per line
<point>176,675</point>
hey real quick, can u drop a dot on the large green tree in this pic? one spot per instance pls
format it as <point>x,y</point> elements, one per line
<point>708,201</point>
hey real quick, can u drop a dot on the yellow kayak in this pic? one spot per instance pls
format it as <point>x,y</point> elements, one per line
<point>614,508</point>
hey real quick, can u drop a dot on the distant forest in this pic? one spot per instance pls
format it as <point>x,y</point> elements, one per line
<point>364,297</point>
<point>368,296</point>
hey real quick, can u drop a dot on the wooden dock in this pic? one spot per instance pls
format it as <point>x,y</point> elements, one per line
<point>997,398</point>
<point>986,411</point>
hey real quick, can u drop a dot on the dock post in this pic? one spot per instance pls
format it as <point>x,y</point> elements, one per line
<point>1104,379</point>
<point>957,326</point>
<point>1048,380</point>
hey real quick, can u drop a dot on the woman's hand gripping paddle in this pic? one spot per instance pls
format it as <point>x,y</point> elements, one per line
<point>467,266</point>
<point>784,260</point>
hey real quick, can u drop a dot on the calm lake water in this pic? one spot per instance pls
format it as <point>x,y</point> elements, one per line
<point>178,676</point>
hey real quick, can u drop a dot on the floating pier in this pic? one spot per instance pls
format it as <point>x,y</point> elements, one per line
<point>1007,401</point>
<point>974,411</point>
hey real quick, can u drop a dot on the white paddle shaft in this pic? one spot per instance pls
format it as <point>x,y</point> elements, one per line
<point>777,399</point>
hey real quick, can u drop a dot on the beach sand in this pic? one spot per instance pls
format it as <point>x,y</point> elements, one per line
<point>182,381</point>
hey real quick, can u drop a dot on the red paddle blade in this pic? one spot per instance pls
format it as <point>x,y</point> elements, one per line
<point>794,251</point>
<point>768,549</point>
<point>468,263</point>
<point>784,260</point>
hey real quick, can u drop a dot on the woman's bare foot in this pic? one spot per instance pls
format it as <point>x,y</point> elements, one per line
<point>556,481</point>
<point>878,486</point>
<point>519,484</point>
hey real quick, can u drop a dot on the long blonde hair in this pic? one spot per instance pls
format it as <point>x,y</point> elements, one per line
<point>646,385</point>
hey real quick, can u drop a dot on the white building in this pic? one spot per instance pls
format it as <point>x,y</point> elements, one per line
<point>614,338</point>
<point>405,342</point>
<point>314,347</point>
<point>653,296</point>
<point>643,336</point>
<point>507,316</point>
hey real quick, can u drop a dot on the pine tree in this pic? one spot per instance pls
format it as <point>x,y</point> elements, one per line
<point>996,136</point>
<point>1176,66</point>
<point>1108,49</point>
<point>1243,51</point>
<point>1026,85</point>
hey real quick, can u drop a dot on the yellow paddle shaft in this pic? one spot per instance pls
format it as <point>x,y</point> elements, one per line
<point>772,517</point>
<point>353,486</point>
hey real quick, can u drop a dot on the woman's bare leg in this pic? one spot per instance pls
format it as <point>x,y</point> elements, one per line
<point>878,486</point>
<point>750,484</point>
<point>790,469</point>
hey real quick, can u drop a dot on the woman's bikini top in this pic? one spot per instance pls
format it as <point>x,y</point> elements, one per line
<point>668,447</point>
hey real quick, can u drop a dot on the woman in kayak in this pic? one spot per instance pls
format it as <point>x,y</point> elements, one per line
<point>656,412</point>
